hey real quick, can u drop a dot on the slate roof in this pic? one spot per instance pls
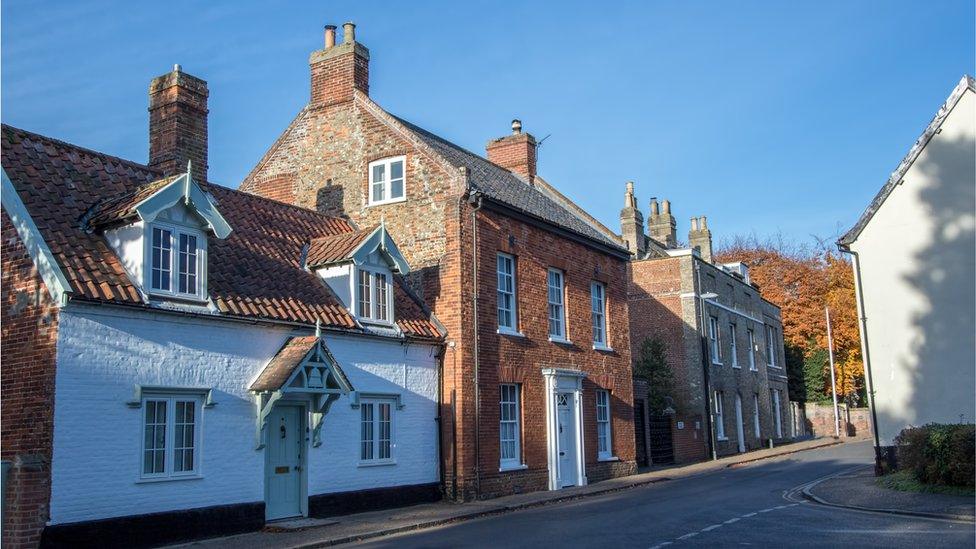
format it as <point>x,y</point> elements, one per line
<point>330,249</point>
<point>254,273</point>
<point>503,186</point>
<point>966,83</point>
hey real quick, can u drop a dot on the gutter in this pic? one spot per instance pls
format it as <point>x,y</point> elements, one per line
<point>865,352</point>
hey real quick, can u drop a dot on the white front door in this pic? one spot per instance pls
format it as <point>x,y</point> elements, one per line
<point>566,415</point>
<point>739,429</point>
<point>283,465</point>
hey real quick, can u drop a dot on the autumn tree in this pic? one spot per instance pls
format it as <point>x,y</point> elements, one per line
<point>802,280</point>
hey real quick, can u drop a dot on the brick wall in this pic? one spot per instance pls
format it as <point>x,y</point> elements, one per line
<point>29,338</point>
<point>818,420</point>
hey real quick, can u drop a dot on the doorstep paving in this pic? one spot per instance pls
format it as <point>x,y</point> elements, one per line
<point>362,526</point>
<point>859,490</point>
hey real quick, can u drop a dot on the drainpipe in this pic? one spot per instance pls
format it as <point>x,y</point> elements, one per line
<point>475,200</point>
<point>709,424</point>
<point>866,354</point>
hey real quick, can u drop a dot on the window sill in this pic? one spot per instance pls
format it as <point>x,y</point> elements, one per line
<point>722,439</point>
<point>714,363</point>
<point>174,478</point>
<point>603,348</point>
<point>754,369</point>
<point>509,332</point>
<point>377,463</point>
<point>371,322</point>
<point>512,467</point>
<point>560,341</point>
<point>386,202</point>
<point>737,367</point>
<point>774,366</point>
<point>608,458</point>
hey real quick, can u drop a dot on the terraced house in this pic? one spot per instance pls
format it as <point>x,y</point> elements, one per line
<point>722,340</point>
<point>537,389</point>
<point>182,359</point>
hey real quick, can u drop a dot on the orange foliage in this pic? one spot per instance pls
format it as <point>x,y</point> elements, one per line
<point>802,281</point>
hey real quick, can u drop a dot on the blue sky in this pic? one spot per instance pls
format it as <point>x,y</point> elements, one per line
<point>765,116</point>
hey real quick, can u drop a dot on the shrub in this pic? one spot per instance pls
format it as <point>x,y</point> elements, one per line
<point>939,454</point>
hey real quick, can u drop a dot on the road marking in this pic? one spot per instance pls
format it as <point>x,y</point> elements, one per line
<point>658,546</point>
<point>690,535</point>
<point>710,528</point>
<point>747,515</point>
<point>716,526</point>
<point>768,510</point>
<point>731,520</point>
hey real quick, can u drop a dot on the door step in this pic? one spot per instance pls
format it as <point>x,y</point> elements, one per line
<point>296,524</point>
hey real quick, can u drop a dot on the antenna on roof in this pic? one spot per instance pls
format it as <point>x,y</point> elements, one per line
<point>538,146</point>
<point>318,328</point>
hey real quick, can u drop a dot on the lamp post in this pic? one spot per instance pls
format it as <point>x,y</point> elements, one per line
<point>833,379</point>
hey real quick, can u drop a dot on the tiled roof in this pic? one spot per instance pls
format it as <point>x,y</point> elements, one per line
<point>283,364</point>
<point>503,186</point>
<point>256,272</point>
<point>123,207</point>
<point>333,248</point>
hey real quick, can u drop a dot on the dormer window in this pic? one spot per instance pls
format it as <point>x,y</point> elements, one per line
<point>373,290</point>
<point>387,181</point>
<point>176,274</point>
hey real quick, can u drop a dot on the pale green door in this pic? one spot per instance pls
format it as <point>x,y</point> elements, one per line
<point>283,467</point>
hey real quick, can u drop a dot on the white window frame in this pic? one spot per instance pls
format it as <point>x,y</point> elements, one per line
<point>604,420</point>
<point>755,416</point>
<point>514,403</point>
<point>770,347</point>
<point>735,347</point>
<point>714,337</point>
<point>373,315</point>
<point>556,310</point>
<point>169,440</point>
<point>372,406</point>
<point>598,311</point>
<point>753,366</point>
<point>388,182</point>
<point>719,414</point>
<point>175,231</point>
<point>513,277</point>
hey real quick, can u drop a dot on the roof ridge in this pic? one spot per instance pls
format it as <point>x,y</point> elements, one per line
<point>93,152</point>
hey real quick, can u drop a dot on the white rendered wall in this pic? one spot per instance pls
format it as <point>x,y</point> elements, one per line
<point>917,269</point>
<point>104,351</point>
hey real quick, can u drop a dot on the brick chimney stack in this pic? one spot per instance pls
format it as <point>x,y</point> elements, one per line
<point>178,123</point>
<point>337,70</point>
<point>515,152</point>
<point>700,238</point>
<point>661,225</point>
<point>632,224</point>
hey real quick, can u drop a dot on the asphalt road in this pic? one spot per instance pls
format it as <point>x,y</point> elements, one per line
<point>749,505</point>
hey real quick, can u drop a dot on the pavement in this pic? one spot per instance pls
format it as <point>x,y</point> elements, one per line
<point>363,526</point>
<point>858,489</point>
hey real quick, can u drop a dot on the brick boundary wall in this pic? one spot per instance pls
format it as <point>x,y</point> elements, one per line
<point>29,342</point>
<point>818,420</point>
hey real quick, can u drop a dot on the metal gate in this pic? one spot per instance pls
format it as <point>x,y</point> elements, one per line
<point>662,443</point>
<point>639,433</point>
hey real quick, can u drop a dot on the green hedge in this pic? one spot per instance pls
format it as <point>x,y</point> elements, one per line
<point>939,454</point>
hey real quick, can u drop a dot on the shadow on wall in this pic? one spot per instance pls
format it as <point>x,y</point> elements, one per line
<point>942,378</point>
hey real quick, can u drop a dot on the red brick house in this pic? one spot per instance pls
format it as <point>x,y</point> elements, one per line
<point>537,387</point>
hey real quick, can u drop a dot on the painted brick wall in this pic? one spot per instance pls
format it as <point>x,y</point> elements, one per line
<point>29,337</point>
<point>103,352</point>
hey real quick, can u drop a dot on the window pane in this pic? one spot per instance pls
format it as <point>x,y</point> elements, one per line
<point>367,431</point>
<point>365,294</point>
<point>161,259</point>
<point>556,304</point>
<point>506,292</point>
<point>396,179</point>
<point>154,443</point>
<point>183,440</point>
<point>384,431</point>
<point>187,273</point>
<point>379,182</point>
<point>508,430</point>
<point>382,311</point>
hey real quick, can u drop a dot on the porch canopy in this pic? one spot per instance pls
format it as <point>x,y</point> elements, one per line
<point>303,367</point>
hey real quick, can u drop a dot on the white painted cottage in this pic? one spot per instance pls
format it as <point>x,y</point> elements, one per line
<point>914,265</point>
<point>206,360</point>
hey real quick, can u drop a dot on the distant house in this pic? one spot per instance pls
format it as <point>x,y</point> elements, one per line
<point>914,265</point>
<point>722,341</point>
<point>537,390</point>
<point>182,359</point>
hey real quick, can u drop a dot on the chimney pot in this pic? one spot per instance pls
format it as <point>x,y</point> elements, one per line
<point>348,33</point>
<point>666,206</point>
<point>516,126</point>
<point>330,35</point>
<point>177,68</point>
<point>655,209</point>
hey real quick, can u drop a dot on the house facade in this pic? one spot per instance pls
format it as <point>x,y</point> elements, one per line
<point>723,342</point>
<point>912,251</point>
<point>537,390</point>
<point>182,359</point>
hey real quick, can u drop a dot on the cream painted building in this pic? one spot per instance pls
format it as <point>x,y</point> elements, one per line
<point>913,252</point>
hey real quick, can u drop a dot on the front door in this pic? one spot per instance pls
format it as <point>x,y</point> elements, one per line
<point>566,415</point>
<point>739,429</point>
<point>283,468</point>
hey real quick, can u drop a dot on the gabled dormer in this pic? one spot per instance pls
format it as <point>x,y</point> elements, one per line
<point>160,232</point>
<point>359,267</point>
